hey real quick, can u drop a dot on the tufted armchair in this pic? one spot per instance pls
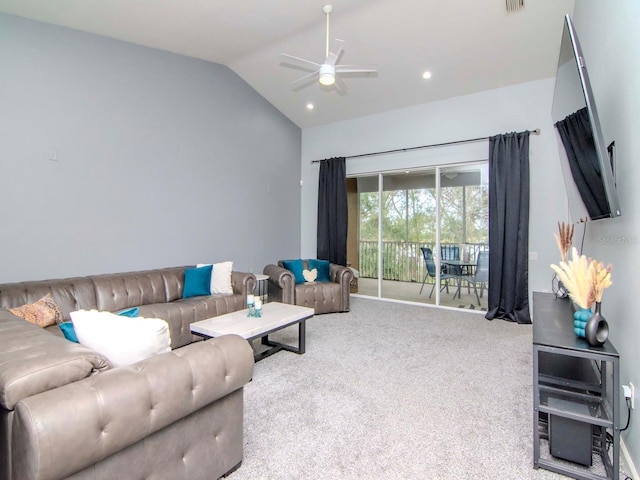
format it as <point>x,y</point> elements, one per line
<point>323,297</point>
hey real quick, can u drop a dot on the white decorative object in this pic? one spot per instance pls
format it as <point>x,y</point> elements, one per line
<point>123,340</point>
<point>310,275</point>
<point>220,277</point>
<point>251,305</point>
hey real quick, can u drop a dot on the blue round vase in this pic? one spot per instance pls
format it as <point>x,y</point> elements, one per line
<point>580,319</point>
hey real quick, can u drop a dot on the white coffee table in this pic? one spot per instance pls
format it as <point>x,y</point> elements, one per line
<point>275,316</point>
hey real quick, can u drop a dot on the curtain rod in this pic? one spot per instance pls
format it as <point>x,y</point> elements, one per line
<point>535,132</point>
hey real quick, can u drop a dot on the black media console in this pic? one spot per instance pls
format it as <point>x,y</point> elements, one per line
<point>576,396</point>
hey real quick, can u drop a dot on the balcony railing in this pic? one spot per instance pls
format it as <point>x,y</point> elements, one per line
<point>403,261</point>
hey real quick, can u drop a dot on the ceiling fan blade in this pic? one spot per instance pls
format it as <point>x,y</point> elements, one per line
<point>335,52</point>
<point>301,82</point>
<point>300,62</point>
<point>341,87</point>
<point>356,68</point>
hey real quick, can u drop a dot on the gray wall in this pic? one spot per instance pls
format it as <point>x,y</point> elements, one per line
<point>610,40</point>
<point>162,159</point>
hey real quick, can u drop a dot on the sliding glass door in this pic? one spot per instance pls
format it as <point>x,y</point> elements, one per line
<point>407,224</point>
<point>464,233</point>
<point>363,236</point>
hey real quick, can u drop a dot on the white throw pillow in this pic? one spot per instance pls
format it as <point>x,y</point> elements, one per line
<point>220,277</point>
<point>123,340</point>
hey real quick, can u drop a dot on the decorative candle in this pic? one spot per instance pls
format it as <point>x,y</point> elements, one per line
<point>258,303</point>
<point>250,300</point>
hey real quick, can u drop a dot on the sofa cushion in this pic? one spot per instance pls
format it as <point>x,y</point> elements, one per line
<point>310,275</point>
<point>43,313</point>
<point>129,312</point>
<point>220,277</point>
<point>296,267</point>
<point>70,334</point>
<point>68,331</point>
<point>323,297</point>
<point>323,267</point>
<point>121,339</point>
<point>32,360</point>
<point>197,281</point>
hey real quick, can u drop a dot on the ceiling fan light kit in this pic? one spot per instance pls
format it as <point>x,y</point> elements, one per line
<point>326,73</point>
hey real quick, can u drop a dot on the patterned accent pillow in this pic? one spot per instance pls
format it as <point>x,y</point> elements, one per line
<point>310,275</point>
<point>43,313</point>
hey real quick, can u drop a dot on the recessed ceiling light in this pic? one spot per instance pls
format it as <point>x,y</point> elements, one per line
<point>426,75</point>
<point>309,106</point>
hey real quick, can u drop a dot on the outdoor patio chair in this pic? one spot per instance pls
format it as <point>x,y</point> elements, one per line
<point>430,265</point>
<point>481,274</point>
<point>450,252</point>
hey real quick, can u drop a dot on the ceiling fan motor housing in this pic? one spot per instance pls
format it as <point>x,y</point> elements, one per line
<point>327,74</point>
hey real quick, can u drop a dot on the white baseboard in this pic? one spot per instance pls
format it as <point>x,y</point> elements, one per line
<point>627,458</point>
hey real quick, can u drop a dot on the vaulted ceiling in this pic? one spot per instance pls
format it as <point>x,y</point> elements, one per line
<point>467,45</point>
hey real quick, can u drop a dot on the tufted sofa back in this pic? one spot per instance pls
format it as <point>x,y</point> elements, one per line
<point>70,294</point>
<point>123,290</point>
<point>108,292</point>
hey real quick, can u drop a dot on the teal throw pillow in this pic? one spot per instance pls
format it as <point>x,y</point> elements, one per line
<point>323,268</point>
<point>295,267</point>
<point>68,331</point>
<point>197,281</point>
<point>129,312</point>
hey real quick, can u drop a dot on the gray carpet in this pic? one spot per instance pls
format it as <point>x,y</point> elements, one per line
<point>394,391</point>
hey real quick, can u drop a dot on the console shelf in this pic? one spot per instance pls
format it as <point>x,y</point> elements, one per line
<point>576,406</point>
<point>576,391</point>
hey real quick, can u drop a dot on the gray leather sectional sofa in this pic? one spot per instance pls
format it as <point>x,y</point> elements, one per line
<point>65,412</point>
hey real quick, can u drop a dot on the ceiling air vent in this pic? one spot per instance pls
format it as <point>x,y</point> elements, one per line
<point>514,5</point>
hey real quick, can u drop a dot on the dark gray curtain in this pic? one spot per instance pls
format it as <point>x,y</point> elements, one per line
<point>508,296</point>
<point>577,137</point>
<point>332,211</point>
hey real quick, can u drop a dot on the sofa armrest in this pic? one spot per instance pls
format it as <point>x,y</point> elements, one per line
<point>340,274</point>
<point>281,284</point>
<point>243,283</point>
<point>343,276</point>
<point>65,430</point>
<point>33,360</point>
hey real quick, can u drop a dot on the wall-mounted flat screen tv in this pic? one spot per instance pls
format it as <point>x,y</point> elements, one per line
<point>586,163</point>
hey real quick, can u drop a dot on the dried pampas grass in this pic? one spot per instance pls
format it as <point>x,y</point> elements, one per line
<point>564,239</point>
<point>601,279</point>
<point>577,277</point>
<point>584,278</point>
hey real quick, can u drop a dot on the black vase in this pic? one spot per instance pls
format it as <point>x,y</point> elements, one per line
<point>596,331</point>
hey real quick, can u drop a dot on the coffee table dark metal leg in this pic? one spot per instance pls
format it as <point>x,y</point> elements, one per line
<point>277,346</point>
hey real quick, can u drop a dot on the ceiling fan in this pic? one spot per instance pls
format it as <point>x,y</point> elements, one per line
<point>326,72</point>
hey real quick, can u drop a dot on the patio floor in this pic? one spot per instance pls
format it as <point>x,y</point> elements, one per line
<point>410,291</point>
